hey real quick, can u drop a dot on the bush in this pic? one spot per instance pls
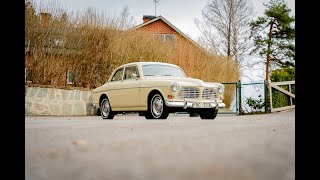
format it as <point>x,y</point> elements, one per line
<point>255,104</point>
<point>280,99</point>
<point>93,44</point>
<point>285,74</point>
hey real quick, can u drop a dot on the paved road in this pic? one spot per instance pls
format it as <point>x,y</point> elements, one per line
<point>251,147</point>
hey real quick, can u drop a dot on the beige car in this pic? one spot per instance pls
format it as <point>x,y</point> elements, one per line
<point>156,89</point>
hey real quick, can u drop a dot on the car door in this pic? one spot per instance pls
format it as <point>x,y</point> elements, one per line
<point>131,85</point>
<point>115,89</point>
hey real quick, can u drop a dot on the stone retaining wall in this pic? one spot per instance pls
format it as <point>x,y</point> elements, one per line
<point>58,102</point>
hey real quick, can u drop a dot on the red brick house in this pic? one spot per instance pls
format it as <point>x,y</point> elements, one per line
<point>162,29</point>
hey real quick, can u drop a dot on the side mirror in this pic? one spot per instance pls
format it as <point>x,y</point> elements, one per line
<point>134,76</point>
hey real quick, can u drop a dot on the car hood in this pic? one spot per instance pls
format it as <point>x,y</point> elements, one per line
<point>184,82</point>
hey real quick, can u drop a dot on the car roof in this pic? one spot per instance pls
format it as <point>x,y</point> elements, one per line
<point>146,63</point>
<point>139,64</point>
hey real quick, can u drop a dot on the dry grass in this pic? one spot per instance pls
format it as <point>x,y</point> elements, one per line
<point>92,44</point>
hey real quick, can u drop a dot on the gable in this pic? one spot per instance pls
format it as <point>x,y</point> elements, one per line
<point>160,25</point>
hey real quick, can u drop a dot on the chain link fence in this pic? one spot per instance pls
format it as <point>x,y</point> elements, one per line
<point>248,98</point>
<point>254,97</point>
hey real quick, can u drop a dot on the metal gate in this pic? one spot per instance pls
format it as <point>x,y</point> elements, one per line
<point>247,98</point>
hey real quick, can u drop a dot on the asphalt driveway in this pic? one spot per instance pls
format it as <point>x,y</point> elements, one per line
<point>250,147</point>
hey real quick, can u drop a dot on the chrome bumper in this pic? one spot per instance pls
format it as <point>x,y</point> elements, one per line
<point>189,104</point>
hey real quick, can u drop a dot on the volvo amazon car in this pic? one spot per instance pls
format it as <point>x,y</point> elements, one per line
<point>156,89</point>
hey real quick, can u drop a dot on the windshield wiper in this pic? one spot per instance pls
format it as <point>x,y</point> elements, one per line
<point>166,75</point>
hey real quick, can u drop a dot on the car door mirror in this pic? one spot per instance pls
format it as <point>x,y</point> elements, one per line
<point>134,76</point>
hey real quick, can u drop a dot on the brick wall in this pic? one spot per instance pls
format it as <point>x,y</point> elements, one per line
<point>185,50</point>
<point>158,27</point>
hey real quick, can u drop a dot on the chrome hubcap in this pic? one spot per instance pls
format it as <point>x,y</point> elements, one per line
<point>105,108</point>
<point>157,106</point>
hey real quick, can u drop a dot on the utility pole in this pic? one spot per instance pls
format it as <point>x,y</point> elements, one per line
<point>155,6</point>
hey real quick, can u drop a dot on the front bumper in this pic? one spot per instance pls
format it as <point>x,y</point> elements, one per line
<point>189,104</point>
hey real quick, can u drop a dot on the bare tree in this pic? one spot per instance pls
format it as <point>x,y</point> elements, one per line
<point>126,20</point>
<point>225,26</point>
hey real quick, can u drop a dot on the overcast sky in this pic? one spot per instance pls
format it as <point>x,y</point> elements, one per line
<point>181,13</point>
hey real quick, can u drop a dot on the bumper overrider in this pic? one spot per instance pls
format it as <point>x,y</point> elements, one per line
<point>191,104</point>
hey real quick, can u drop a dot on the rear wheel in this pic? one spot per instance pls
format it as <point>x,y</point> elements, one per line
<point>157,108</point>
<point>209,114</point>
<point>105,109</point>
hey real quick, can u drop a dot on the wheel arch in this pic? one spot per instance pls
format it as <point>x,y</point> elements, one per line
<point>149,113</point>
<point>103,96</point>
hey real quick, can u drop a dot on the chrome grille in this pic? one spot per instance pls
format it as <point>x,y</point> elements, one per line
<point>209,93</point>
<point>188,92</point>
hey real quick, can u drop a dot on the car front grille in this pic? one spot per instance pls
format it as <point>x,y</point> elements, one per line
<point>188,92</point>
<point>209,93</point>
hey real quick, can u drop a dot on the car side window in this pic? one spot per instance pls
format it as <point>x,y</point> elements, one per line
<point>129,71</point>
<point>118,75</point>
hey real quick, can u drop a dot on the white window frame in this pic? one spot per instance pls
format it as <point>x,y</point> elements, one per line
<point>164,38</point>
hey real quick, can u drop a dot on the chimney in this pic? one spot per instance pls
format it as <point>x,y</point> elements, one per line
<point>147,18</point>
<point>45,18</point>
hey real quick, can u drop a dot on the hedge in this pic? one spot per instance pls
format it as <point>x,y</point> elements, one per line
<point>280,99</point>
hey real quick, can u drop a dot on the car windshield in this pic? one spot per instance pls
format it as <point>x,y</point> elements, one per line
<point>162,70</point>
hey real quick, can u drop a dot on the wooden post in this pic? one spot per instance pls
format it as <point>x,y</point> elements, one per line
<point>290,96</point>
<point>240,108</point>
<point>265,96</point>
<point>270,91</point>
<point>237,99</point>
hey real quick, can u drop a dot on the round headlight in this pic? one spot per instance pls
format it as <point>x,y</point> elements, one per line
<point>221,89</point>
<point>175,86</point>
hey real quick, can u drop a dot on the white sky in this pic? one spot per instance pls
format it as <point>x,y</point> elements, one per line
<point>181,13</point>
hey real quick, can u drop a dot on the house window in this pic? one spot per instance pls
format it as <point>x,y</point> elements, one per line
<point>168,38</point>
<point>70,77</point>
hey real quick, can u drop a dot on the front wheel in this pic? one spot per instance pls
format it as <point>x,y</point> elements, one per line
<point>106,111</point>
<point>209,114</point>
<point>157,108</point>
